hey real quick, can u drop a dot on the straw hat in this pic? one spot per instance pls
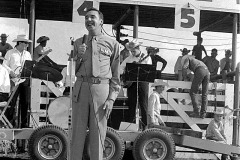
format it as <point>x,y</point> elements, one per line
<point>159,82</point>
<point>42,38</point>
<point>133,44</point>
<point>22,38</point>
<point>219,112</point>
<point>1,57</point>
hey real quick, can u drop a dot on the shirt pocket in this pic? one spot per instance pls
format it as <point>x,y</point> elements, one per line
<point>104,54</point>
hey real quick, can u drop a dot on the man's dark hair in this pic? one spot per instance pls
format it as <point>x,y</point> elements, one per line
<point>99,12</point>
<point>214,49</point>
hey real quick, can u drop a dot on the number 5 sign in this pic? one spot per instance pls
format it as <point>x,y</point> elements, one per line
<point>187,18</point>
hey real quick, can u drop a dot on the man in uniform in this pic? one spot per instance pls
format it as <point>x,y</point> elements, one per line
<point>98,84</point>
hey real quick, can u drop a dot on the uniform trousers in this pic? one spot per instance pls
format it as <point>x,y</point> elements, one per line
<point>87,110</point>
<point>201,76</point>
<point>132,101</point>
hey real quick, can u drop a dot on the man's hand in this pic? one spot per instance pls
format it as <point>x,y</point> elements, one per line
<point>108,105</point>
<point>81,50</point>
<point>12,74</point>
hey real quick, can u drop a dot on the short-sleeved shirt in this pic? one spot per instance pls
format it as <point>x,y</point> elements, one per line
<point>198,51</point>
<point>5,48</point>
<point>4,80</point>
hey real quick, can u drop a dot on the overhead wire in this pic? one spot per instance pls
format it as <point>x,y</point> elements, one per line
<point>222,38</point>
<point>179,43</point>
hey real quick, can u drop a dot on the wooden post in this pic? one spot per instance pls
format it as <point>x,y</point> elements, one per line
<point>32,26</point>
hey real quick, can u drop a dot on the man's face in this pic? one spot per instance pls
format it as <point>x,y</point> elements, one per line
<point>218,117</point>
<point>4,39</point>
<point>93,21</point>
<point>135,51</point>
<point>160,88</point>
<point>214,53</point>
<point>23,45</point>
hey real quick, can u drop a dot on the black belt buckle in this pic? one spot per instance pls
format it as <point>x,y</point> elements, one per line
<point>96,80</point>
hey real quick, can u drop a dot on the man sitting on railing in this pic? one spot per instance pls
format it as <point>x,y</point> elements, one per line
<point>215,130</point>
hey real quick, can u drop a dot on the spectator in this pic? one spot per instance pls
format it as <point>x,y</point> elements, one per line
<point>4,46</point>
<point>155,59</point>
<point>226,63</point>
<point>178,66</point>
<point>212,63</point>
<point>197,49</point>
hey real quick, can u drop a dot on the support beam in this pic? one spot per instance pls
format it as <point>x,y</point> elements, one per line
<point>234,41</point>
<point>136,22</point>
<point>32,26</point>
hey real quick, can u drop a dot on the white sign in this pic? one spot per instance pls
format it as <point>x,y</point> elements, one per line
<point>187,17</point>
<point>80,7</point>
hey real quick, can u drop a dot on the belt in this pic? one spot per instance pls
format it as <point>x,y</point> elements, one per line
<point>94,80</point>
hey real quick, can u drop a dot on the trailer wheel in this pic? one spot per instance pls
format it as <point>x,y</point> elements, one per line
<point>153,144</point>
<point>114,146</point>
<point>48,143</point>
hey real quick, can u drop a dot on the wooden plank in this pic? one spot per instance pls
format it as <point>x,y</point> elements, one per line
<point>181,113</point>
<point>176,95</point>
<point>188,108</point>
<point>177,119</point>
<point>35,99</point>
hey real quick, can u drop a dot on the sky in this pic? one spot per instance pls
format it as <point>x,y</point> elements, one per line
<point>169,41</point>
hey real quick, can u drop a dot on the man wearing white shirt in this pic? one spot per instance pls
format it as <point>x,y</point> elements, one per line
<point>154,105</point>
<point>136,56</point>
<point>14,62</point>
<point>4,81</point>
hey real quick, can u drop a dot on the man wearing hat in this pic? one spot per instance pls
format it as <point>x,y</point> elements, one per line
<point>201,76</point>
<point>154,105</point>
<point>4,81</point>
<point>14,62</point>
<point>40,49</point>
<point>155,59</point>
<point>215,130</point>
<point>212,63</point>
<point>178,66</point>
<point>197,49</point>
<point>4,46</point>
<point>136,56</point>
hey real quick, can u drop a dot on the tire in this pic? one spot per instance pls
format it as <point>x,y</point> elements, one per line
<point>154,144</point>
<point>114,146</point>
<point>48,143</point>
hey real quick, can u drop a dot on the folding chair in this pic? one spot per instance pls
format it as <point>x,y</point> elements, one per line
<point>4,106</point>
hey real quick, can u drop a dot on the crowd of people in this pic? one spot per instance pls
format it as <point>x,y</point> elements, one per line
<point>99,63</point>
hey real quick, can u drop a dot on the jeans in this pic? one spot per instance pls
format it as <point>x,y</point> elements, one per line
<point>201,76</point>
